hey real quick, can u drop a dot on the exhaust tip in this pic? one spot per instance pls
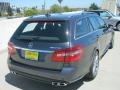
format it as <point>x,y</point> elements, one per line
<point>59,84</point>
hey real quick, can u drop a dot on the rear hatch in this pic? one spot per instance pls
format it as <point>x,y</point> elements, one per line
<point>36,41</point>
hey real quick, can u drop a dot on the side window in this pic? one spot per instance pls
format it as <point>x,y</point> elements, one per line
<point>82,28</point>
<point>90,26</point>
<point>101,21</point>
<point>94,23</point>
<point>104,14</point>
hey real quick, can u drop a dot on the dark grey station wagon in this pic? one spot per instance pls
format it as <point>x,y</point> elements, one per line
<point>59,49</point>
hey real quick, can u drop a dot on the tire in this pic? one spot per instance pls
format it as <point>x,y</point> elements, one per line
<point>94,67</point>
<point>111,44</point>
<point>118,27</point>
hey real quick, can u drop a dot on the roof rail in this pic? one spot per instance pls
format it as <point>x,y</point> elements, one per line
<point>73,12</point>
<point>47,15</point>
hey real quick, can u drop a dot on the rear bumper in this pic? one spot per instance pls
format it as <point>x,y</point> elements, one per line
<point>47,76</point>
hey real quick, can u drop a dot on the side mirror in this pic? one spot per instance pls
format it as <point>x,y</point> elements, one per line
<point>109,26</point>
<point>109,17</point>
<point>104,26</point>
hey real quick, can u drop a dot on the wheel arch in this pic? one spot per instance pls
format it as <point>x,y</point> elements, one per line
<point>97,50</point>
<point>117,23</point>
<point>88,74</point>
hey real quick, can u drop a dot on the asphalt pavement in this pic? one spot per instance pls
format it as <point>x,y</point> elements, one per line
<point>108,77</point>
<point>7,28</point>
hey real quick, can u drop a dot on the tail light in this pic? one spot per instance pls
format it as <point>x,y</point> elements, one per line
<point>68,55</point>
<point>11,49</point>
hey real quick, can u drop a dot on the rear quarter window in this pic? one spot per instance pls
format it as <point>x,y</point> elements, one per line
<point>82,28</point>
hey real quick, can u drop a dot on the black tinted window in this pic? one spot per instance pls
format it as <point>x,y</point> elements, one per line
<point>50,31</point>
<point>82,27</point>
<point>94,23</point>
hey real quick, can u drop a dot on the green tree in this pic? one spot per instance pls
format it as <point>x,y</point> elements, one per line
<point>31,12</point>
<point>0,14</point>
<point>66,9</point>
<point>93,6</point>
<point>55,9</point>
<point>9,11</point>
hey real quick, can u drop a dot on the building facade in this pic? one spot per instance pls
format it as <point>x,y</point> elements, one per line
<point>4,7</point>
<point>111,5</point>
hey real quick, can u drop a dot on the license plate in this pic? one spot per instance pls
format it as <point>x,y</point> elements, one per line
<point>31,55</point>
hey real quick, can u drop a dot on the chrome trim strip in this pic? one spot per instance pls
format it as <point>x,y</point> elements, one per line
<point>45,51</point>
<point>83,35</point>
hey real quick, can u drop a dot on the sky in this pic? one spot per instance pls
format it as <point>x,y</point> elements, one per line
<point>70,3</point>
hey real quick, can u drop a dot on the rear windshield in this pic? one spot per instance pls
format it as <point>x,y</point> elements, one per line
<point>45,31</point>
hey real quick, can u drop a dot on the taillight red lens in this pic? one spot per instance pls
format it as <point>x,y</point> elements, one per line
<point>11,49</point>
<point>68,55</point>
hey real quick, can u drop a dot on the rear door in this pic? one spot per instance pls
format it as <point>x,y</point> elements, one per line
<point>36,41</point>
<point>107,31</point>
<point>99,32</point>
<point>85,36</point>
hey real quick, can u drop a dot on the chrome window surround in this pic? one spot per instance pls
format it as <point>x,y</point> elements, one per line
<point>76,38</point>
<point>85,34</point>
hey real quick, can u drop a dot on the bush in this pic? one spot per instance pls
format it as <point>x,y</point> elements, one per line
<point>0,14</point>
<point>31,12</point>
<point>55,8</point>
<point>67,9</point>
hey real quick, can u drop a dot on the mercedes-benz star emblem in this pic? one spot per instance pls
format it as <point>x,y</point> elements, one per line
<point>30,45</point>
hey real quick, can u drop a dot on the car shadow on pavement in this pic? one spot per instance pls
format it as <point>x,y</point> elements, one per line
<point>27,84</point>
